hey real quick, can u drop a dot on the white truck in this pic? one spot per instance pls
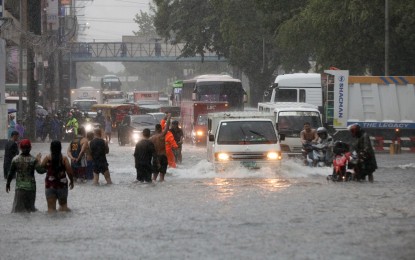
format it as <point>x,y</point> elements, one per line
<point>297,87</point>
<point>84,97</point>
<point>290,118</point>
<point>243,139</point>
<point>382,105</point>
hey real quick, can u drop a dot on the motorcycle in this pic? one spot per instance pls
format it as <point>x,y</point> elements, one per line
<point>315,155</point>
<point>344,163</point>
<point>69,134</point>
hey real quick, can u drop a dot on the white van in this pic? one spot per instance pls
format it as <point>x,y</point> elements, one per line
<point>290,118</point>
<point>243,139</point>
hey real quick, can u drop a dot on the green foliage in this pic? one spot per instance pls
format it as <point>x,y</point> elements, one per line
<point>350,35</point>
<point>261,36</point>
<point>145,24</point>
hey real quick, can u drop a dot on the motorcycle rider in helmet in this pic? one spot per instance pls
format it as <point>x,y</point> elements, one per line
<point>100,119</point>
<point>325,142</point>
<point>366,155</point>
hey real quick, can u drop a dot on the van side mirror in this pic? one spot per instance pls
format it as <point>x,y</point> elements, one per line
<point>245,98</point>
<point>282,137</point>
<point>194,96</point>
<point>211,138</point>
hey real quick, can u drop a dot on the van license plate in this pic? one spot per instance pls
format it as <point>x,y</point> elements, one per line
<point>250,165</point>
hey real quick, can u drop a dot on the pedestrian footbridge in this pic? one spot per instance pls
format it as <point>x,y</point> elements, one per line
<point>133,52</point>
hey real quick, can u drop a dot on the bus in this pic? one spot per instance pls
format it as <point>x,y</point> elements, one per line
<point>215,88</point>
<point>111,83</point>
<point>207,94</point>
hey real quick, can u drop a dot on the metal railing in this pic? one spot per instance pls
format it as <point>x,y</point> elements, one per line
<point>129,51</point>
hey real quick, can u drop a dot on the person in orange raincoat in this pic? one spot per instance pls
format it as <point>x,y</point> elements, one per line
<point>170,146</point>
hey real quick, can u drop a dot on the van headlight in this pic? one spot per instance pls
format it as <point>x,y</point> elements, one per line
<point>222,157</point>
<point>274,156</point>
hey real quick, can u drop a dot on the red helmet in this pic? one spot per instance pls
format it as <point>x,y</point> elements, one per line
<point>25,143</point>
<point>354,129</point>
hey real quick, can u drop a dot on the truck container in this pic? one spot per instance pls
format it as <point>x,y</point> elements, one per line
<point>146,96</point>
<point>243,139</point>
<point>382,105</point>
<point>193,118</point>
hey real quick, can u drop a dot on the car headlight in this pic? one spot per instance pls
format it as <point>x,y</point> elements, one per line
<point>274,156</point>
<point>200,133</point>
<point>222,157</point>
<point>136,135</point>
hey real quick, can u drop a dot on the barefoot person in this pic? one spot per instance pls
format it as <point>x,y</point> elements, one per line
<point>99,150</point>
<point>145,157</point>
<point>158,139</point>
<point>56,183</point>
<point>23,168</point>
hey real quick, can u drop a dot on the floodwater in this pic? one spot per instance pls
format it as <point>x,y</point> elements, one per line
<point>241,214</point>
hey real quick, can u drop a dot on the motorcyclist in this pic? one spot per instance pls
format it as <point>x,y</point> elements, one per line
<point>366,155</point>
<point>308,136</point>
<point>100,119</point>
<point>325,143</point>
<point>72,123</point>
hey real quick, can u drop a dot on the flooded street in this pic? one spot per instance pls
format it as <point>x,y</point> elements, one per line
<point>198,214</point>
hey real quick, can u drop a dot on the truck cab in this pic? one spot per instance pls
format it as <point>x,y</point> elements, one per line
<point>297,87</point>
<point>243,139</point>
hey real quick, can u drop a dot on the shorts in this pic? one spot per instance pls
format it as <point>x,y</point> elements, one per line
<point>163,164</point>
<point>143,172</point>
<point>60,194</point>
<point>100,167</point>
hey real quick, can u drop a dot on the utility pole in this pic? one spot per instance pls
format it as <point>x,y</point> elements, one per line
<point>386,37</point>
<point>22,26</point>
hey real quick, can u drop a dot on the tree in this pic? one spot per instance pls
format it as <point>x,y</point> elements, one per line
<point>145,22</point>
<point>241,31</point>
<point>349,35</point>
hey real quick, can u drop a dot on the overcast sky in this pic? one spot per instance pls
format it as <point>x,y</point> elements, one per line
<point>108,20</point>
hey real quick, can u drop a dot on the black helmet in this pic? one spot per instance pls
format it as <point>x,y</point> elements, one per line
<point>175,122</point>
<point>340,147</point>
<point>354,129</point>
<point>321,130</point>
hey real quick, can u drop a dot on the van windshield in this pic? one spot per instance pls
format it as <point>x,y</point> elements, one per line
<point>247,132</point>
<point>291,123</point>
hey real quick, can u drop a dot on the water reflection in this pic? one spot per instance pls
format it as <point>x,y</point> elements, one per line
<point>227,188</point>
